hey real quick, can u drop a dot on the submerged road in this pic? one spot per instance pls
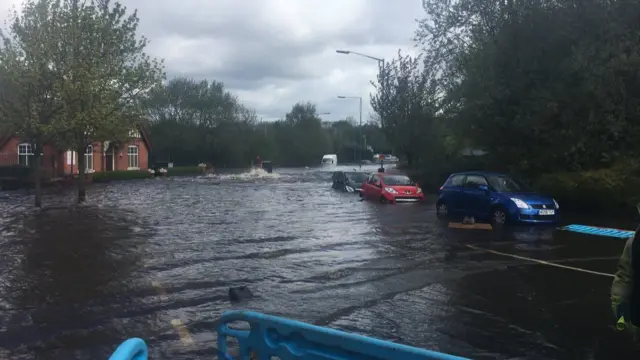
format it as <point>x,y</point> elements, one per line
<point>155,258</point>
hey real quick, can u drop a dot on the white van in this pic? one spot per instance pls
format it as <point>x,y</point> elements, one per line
<point>329,160</point>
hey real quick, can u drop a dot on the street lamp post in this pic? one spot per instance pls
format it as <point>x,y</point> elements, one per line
<point>349,52</point>
<point>360,124</point>
<point>380,69</point>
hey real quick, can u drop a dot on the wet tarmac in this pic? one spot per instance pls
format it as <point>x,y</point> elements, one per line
<point>155,259</point>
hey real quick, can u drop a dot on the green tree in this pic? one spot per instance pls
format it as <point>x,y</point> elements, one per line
<point>106,74</point>
<point>407,96</point>
<point>305,134</point>
<point>562,101</point>
<point>29,97</point>
<point>199,121</point>
<point>548,88</point>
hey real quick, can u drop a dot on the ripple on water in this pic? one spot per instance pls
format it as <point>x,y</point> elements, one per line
<point>77,280</point>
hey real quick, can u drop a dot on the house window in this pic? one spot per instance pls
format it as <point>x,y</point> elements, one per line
<point>25,152</point>
<point>132,155</point>
<point>134,134</point>
<point>88,158</point>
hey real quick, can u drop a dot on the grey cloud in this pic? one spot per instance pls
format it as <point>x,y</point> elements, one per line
<point>271,58</point>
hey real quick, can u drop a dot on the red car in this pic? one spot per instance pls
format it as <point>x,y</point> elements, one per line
<point>391,188</point>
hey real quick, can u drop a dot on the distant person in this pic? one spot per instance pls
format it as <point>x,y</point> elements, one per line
<point>258,162</point>
<point>625,296</point>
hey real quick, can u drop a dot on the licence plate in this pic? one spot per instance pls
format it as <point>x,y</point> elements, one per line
<point>547,212</point>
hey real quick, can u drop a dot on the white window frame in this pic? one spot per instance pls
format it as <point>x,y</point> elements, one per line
<point>133,157</point>
<point>135,134</point>
<point>88,158</point>
<point>24,150</point>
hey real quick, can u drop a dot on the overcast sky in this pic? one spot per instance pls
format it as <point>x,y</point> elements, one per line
<point>273,53</point>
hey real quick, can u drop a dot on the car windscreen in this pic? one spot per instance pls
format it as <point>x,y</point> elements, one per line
<point>503,183</point>
<point>327,161</point>
<point>397,180</point>
<point>356,177</point>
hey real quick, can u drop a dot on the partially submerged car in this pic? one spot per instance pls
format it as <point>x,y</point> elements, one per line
<point>391,188</point>
<point>349,181</point>
<point>496,197</point>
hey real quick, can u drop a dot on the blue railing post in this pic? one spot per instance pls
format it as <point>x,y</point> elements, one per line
<point>132,349</point>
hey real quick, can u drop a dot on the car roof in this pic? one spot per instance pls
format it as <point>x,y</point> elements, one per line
<point>479,173</point>
<point>392,174</point>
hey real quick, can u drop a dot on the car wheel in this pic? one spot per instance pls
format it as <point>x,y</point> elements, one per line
<point>360,193</point>
<point>383,200</point>
<point>442,210</point>
<point>498,216</point>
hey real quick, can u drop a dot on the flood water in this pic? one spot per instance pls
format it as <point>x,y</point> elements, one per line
<point>77,281</point>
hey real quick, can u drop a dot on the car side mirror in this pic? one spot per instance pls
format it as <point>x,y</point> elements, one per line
<point>483,188</point>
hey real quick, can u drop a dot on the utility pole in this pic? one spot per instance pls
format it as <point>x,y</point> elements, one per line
<point>360,127</point>
<point>381,71</point>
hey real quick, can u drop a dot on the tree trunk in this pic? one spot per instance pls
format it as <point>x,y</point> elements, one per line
<point>82,191</point>
<point>37,176</point>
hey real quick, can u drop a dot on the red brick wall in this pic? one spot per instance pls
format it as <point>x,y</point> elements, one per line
<point>50,159</point>
<point>56,164</point>
<point>121,159</point>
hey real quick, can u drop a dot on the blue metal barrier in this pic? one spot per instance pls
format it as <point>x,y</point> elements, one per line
<point>132,349</point>
<point>272,336</point>
<point>598,231</point>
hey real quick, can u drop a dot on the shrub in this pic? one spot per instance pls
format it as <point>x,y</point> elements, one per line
<point>613,189</point>
<point>15,171</point>
<point>104,176</point>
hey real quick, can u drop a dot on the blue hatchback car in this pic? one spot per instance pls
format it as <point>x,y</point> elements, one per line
<point>495,197</point>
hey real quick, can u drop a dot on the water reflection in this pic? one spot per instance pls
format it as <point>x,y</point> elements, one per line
<point>76,282</point>
<point>69,269</point>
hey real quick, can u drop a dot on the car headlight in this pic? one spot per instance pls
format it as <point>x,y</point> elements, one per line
<point>556,203</point>
<point>349,189</point>
<point>520,204</point>
<point>390,190</point>
<point>418,191</point>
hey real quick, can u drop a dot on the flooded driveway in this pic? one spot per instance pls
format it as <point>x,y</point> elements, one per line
<point>155,259</point>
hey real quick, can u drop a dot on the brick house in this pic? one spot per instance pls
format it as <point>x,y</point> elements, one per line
<point>99,156</point>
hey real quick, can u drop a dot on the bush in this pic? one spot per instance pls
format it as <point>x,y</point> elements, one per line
<point>15,171</point>
<point>183,170</point>
<point>104,176</point>
<point>613,189</point>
